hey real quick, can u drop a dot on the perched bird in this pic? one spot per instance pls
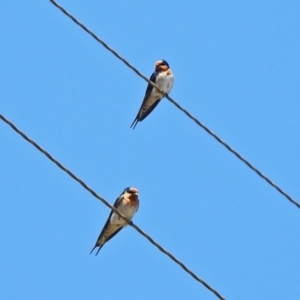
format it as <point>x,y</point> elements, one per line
<point>164,79</point>
<point>127,204</point>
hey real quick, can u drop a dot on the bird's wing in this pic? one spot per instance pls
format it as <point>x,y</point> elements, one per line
<point>150,87</point>
<point>109,230</point>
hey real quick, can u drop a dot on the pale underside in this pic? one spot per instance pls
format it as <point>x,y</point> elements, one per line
<point>164,82</point>
<point>117,222</point>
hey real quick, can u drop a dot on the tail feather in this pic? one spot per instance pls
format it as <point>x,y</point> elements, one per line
<point>98,250</point>
<point>93,249</point>
<point>100,246</point>
<point>134,123</point>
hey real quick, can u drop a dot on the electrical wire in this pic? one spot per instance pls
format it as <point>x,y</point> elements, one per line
<point>259,173</point>
<point>84,185</point>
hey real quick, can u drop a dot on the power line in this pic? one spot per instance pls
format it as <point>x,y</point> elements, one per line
<point>259,173</point>
<point>84,185</point>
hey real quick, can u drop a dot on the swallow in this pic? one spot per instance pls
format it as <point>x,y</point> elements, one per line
<point>163,77</point>
<point>127,204</point>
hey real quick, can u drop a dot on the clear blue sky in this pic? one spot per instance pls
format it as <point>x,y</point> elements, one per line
<point>236,68</point>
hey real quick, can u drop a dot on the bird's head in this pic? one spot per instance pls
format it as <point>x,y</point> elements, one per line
<point>131,191</point>
<point>161,65</point>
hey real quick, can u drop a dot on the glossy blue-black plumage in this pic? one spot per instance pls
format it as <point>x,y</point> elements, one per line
<point>107,223</point>
<point>143,113</point>
<point>147,94</point>
<point>127,190</point>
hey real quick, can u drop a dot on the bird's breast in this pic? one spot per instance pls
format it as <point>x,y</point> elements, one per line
<point>165,81</point>
<point>125,209</point>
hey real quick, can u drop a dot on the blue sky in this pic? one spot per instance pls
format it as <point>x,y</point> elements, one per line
<point>236,68</point>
